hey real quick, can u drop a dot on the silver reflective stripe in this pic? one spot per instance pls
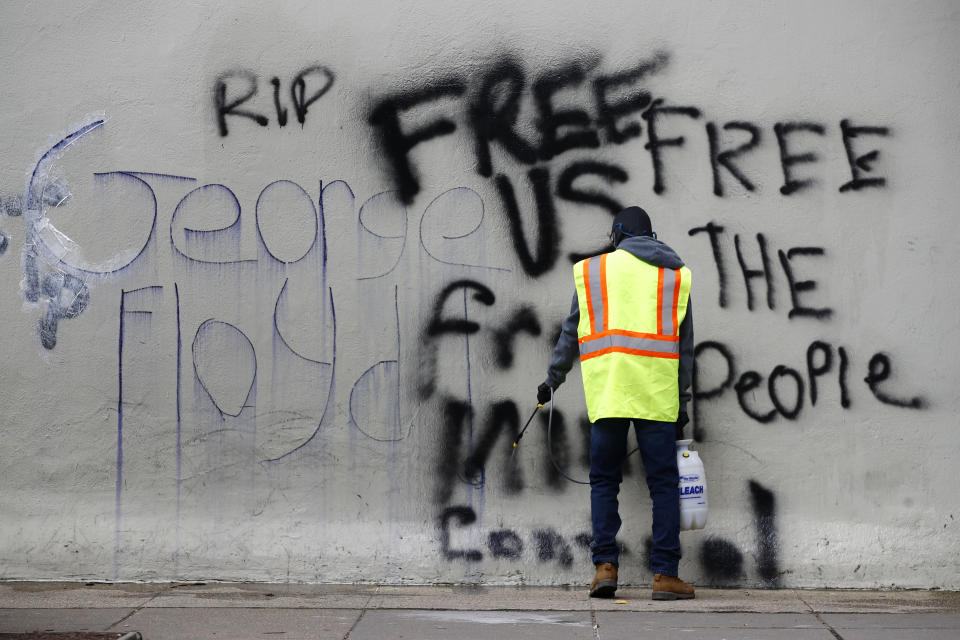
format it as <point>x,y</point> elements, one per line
<point>666,347</point>
<point>666,308</point>
<point>595,286</point>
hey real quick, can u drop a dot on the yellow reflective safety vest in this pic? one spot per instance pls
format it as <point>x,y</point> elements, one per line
<point>629,336</point>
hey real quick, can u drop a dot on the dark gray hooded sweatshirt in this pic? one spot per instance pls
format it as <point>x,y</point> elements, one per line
<point>652,252</point>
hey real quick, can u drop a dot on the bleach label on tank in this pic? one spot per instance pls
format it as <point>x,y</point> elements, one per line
<point>692,487</point>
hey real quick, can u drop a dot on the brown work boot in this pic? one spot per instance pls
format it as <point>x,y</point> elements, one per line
<point>604,584</point>
<point>671,588</point>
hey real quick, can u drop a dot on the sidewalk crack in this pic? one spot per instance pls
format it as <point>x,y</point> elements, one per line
<point>135,611</point>
<point>816,614</point>
<point>596,625</point>
<point>363,612</point>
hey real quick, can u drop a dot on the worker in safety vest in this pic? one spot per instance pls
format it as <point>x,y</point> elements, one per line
<point>632,327</point>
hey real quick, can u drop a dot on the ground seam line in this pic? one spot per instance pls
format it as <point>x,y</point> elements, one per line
<point>355,623</point>
<point>816,614</point>
<point>135,611</point>
<point>363,612</point>
<point>596,625</point>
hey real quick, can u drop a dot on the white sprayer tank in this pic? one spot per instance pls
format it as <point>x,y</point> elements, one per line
<point>693,488</point>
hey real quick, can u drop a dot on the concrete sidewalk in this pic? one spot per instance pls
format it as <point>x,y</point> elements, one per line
<point>362,612</point>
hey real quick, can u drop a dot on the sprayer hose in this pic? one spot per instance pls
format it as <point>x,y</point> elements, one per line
<point>553,459</point>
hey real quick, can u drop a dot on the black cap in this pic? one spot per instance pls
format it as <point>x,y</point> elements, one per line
<point>632,221</point>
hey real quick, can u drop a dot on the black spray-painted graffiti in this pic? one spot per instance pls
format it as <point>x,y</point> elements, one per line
<point>787,388</point>
<point>608,113</point>
<point>548,544</point>
<point>722,561</point>
<point>797,289</point>
<point>764,505</point>
<point>491,105</point>
<point>459,460</point>
<point>486,107</point>
<point>233,90</point>
<point>463,451</point>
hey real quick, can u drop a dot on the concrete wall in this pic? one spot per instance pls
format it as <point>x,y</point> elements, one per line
<point>278,284</point>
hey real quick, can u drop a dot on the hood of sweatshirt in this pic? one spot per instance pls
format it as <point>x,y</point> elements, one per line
<point>652,252</point>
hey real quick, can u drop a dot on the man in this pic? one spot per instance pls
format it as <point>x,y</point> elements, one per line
<point>632,325</point>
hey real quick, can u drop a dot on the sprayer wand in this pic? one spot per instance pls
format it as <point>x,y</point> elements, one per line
<point>529,420</point>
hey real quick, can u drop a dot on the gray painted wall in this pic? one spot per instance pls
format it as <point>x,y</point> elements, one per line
<point>279,284</point>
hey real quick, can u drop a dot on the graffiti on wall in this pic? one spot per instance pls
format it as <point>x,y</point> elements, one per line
<point>549,132</point>
<point>235,95</point>
<point>606,113</point>
<point>577,107</point>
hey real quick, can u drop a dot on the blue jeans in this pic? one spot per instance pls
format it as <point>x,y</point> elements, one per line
<point>608,447</point>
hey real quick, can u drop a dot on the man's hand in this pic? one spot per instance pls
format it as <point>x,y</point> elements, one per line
<point>682,421</point>
<point>543,393</point>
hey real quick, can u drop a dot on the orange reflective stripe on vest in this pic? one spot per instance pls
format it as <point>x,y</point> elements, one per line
<point>668,290</point>
<point>595,279</point>
<point>641,344</point>
<point>663,344</point>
